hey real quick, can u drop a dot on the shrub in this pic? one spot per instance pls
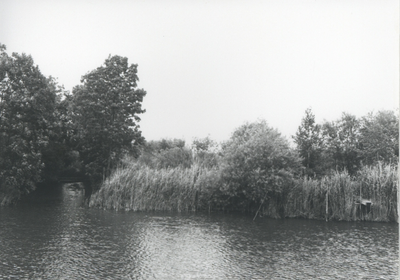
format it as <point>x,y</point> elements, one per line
<point>257,163</point>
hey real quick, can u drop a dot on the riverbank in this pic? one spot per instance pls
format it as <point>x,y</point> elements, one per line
<point>335,197</point>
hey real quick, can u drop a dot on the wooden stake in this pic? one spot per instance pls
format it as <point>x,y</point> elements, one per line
<point>326,207</point>
<point>260,207</point>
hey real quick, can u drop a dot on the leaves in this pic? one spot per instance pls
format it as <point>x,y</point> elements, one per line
<point>257,160</point>
<point>105,111</point>
<point>27,105</point>
<point>379,137</point>
<point>309,143</point>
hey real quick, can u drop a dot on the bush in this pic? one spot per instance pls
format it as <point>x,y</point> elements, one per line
<point>257,163</point>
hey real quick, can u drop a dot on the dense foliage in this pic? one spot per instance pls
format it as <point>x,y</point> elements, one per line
<point>379,138</point>
<point>348,143</point>
<point>46,133</point>
<point>104,111</point>
<point>166,153</point>
<point>257,162</point>
<point>309,144</point>
<point>28,103</point>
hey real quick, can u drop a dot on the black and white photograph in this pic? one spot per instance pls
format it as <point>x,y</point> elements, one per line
<point>199,139</point>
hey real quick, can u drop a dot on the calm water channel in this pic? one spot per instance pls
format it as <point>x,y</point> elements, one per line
<point>54,236</point>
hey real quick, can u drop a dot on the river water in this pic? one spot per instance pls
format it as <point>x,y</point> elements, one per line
<point>54,236</point>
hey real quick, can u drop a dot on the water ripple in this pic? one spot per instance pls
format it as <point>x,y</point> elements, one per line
<point>64,240</point>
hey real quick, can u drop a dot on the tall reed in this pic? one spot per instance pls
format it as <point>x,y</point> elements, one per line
<point>379,184</point>
<point>342,194</point>
<point>139,187</point>
<point>142,188</point>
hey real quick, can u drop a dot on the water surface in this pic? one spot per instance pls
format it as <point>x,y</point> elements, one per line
<point>54,236</point>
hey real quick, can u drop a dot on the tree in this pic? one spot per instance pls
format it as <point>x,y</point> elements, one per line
<point>341,144</point>
<point>27,104</point>
<point>203,145</point>
<point>205,152</point>
<point>379,137</point>
<point>257,162</point>
<point>309,144</point>
<point>166,153</point>
<point>105,109</point>
<point>58,156</point>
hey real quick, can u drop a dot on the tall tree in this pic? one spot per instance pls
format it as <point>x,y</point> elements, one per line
<point>309,144</point>
<point>27,104</point>
<point>349,131</point>
<point>105,109</point>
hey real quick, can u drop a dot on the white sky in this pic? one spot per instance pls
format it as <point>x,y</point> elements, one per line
<point>210,66</point>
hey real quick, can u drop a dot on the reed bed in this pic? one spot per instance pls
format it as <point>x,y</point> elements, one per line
<point>139,187</point>
<point>142,188</point>
<point>379,184</point>
<point>338,196</point>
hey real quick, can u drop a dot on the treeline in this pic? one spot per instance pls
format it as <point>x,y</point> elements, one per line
<point>258,171</point>
<point>47,133</point>
<point>347,143</point>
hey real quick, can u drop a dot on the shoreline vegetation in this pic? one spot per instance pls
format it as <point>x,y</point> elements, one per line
<point>137,187</point>
<point>258,172</point>
<point>345,169</point>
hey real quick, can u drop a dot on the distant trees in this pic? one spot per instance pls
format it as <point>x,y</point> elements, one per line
<point>205,151</point>
<point>347,143</point>
<point>309,144</point>
<point>379,137</point>
<point>341,144</point>
<point>166,153</point>
<point>27,119</point>
<point>105,111</point>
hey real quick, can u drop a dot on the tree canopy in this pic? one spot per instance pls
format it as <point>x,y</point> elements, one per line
<point>27,106</point>
<point>348,142</point>
<point>105,111</point>
<point>379,137</point>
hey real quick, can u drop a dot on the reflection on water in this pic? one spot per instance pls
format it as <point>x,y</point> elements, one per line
<point>56,237</point>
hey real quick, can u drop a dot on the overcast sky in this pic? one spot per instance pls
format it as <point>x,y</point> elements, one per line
<point>210,66</point>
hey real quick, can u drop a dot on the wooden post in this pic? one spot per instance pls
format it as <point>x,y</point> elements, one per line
<point>326,206</point>
<point>260,206</point>
<point>361,215</point>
